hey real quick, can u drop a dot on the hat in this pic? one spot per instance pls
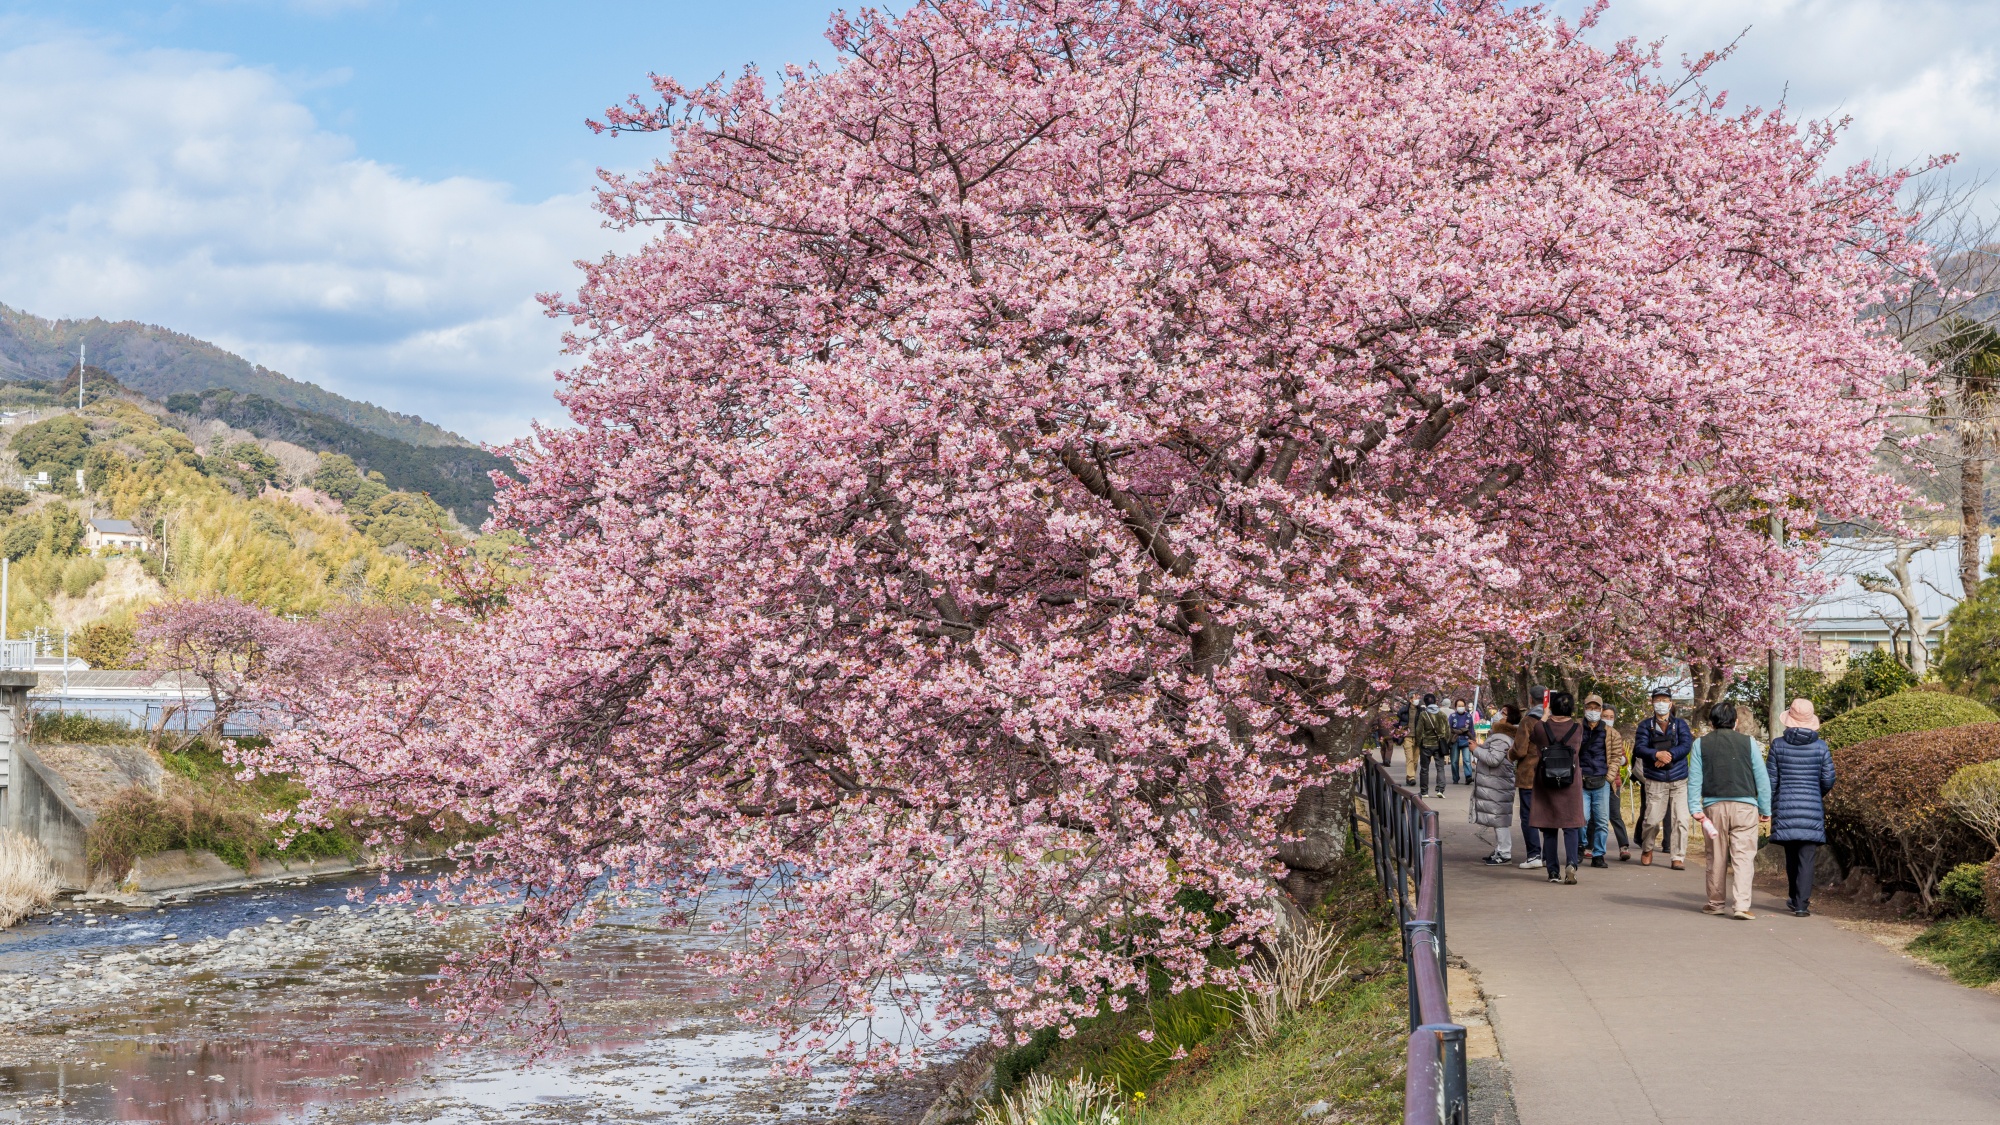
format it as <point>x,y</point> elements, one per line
<point>1593,697</point>
<point>1800,714</point>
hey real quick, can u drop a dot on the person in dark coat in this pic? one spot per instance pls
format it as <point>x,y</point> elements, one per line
<point>1389,732</point>
<point>1662,744</point>
<point>1801,768</point>
<point>1557,810</point>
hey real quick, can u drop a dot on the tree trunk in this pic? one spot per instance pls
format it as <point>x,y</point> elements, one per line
<point>1316,828</point>
<point>1971,514</point>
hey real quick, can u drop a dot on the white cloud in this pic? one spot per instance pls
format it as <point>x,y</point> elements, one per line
<point>1918,77</point>
<point>190,191</point>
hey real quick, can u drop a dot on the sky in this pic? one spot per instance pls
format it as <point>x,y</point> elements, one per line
<point>369,193</point>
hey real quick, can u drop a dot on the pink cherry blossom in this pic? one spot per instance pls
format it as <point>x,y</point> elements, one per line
<point>1021,447</point>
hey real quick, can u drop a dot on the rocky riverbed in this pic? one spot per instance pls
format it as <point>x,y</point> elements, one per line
<point>292,1005</point>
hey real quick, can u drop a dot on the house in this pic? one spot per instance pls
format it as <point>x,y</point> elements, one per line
<point>114,535</point>
<point>1866,611</point>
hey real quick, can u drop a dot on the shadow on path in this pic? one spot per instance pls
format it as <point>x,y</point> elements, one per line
<point>1617,1000</point>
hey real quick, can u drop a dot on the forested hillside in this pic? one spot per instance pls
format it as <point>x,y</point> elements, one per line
<point>453,475</point>
<point>159,362</point>
<point>228,520</point>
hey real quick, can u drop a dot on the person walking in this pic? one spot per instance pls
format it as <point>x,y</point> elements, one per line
<point>1801,768</point>
<point>1729,794</point>
<point>1558,802</point>
<point>1432,732</point>
<point>1594,763</point>
<point>1493,784</point>
<point>1408,714</point>
<point>1618,756</point>
<point>1462,720</point>
<point>1525,760</point>
<point>1662,743</point>
<point>1388,731</point>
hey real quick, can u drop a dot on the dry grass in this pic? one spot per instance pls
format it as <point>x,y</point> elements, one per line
<point>1307,962</point>
<point>27,878</point>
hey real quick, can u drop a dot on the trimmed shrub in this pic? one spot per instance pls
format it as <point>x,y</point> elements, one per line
<point>1974,794</point>
<point>1903,712</point>
<point>1963,891</point>
<point>1991,872</point>
<point>1888,809</point>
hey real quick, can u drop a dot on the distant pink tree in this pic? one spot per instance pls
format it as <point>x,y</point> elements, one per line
<point>1023,446</point>
<point>219,640</point>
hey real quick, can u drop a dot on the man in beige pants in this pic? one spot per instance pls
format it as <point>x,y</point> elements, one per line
<point>1729,793</point>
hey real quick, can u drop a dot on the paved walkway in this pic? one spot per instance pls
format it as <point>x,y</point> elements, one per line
<point>1617,1000</point>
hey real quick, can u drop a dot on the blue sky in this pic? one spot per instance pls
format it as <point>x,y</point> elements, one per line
<point>368,193</point>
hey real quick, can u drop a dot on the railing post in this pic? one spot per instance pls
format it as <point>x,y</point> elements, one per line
<point>1448,1041</point>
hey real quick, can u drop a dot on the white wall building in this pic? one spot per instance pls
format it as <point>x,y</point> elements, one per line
<point>114,535</point>
<point>1851,618</point>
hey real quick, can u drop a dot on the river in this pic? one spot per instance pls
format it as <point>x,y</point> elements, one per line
<point>291,1004</point>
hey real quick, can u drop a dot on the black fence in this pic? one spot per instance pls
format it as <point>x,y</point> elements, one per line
<point>1402,832</point>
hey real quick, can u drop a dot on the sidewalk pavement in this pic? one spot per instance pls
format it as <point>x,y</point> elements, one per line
<point>1617,1000</point>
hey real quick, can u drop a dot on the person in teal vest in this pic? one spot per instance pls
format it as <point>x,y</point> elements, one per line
<point>1729,793</point>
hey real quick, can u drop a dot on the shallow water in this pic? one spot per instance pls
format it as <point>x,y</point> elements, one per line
<point>651,1039</point>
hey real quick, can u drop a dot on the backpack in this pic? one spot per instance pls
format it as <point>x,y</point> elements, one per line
<point>1433,730</point>
<point>1557,769</point>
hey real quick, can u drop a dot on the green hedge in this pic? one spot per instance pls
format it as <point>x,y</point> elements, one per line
<point>1902,713</point>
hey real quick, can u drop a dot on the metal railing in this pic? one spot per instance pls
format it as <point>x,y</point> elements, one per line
<point>17,655</point>
<point>1402,832</point>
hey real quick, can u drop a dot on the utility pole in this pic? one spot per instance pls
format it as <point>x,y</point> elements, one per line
<point>1776,719</point>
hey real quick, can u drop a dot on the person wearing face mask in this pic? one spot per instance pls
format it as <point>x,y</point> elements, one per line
<point>1616,754</point>
<point>1461,743</point>
<point>1593,761</point>
<point>1526,759</point>
<point>1662,744</point>
<point>1433,736</point>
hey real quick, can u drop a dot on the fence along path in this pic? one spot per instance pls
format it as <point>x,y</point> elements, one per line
<point>1617,1001</point>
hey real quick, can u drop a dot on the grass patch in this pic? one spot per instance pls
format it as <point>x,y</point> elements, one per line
<point>44,727</point>
<point>204,806</point>
<point>1348,1050</point>
<point>1967,947</point>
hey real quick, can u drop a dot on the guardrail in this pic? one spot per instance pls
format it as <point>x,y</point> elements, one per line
<point>17,655</point>
<point>1402,832</point>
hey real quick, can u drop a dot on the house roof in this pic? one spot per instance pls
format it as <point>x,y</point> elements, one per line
<point>114,527</point>
<point>1851,608</point>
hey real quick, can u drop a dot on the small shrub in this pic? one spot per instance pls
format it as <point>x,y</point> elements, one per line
<point>1305,965</point>
<point>63,727</point>
<point>1902,713</point>
<point>1963,890</point>
<point>27,878</point>
<point>1974,794</point>
<point>80,574</point>
<point>1991,876</point>
<point>1869,677</point>
<point>1044,1101</point>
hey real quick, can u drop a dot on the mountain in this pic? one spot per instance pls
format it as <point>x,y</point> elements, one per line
<point>453,475</point>
<point>158,363</point>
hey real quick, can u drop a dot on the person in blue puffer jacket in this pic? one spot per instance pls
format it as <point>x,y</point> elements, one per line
<point>1801,768</point>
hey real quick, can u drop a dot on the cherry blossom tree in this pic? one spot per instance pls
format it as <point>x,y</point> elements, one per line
<point>221,641</point>
<point>1022,446</point>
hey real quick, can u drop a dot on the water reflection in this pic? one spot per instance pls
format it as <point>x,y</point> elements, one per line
<point>652,1041</point>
